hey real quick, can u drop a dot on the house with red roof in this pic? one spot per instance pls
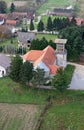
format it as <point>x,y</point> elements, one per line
<point>11,22</point>
<point>48,59</point>
<point>44,59</point>
<point>79,21</point>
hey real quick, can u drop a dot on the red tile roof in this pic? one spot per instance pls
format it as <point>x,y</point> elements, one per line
<point>79,21</point>
<point>11,22</point>
<point>47,56</point>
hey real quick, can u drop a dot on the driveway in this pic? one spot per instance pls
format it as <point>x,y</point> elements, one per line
<point>78,77</point>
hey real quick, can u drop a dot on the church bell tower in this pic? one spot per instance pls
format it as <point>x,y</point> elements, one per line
<point>61,52</point>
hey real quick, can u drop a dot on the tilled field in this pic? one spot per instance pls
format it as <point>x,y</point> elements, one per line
<point>18,116</point>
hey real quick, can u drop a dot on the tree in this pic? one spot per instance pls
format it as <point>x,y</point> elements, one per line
<point>39,77</point>
<point>49,24</point>
<point>31,25</point>
<point>15,68</point>
<point>26,72</point>
<point>10,49</point>
<point>40,26</point>
<point>60,80</point>
<point>73,21</point>
<point>12,7</point>
<point>74,45</point>
<point>3,7</point>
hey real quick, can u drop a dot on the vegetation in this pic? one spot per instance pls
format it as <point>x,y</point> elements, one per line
<point>75,44</point>
<point>3,7</point>
<point>18,116</point>
<point>63,78</point>
<point>41,44</point>
<point>47,36</point>
<point>15,68</point>
<point>12,7</point>
<point>49,24</point>
<point>26,72</point>
<point>65,116</point>
<point>60,81</point>
<point>40,26</point>
<point>50,5</point>
<point>31,25</point>
<point>12,92</point>
<point>39,77</point>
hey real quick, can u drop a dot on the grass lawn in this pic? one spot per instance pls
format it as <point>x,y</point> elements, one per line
<point>51,4</point>
<point>8,42</point>
<point>66,116</point>
<point>45,18</point>
<point>12,92</point>
<point>47,36</point>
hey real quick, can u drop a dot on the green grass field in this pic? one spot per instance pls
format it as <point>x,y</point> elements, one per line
<point>20,107</point>
<point>51,4</point>
<point>12,92</point>
<point>65,116</point>
<point>47,36</point>
<point>8,42</point>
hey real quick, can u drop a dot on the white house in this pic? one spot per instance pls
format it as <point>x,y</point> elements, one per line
<point>4,65</point>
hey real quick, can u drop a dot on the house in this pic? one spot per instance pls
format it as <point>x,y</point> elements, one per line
<point>1,21</point>
<point>44,59</point>
<point>49,59</point>
<point>11,22</point>
<point>79,21</point>
<point>25,38</point>
<point>4,65</point>
<point>63,12</point>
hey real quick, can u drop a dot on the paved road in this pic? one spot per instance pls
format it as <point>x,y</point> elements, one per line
<point>78,78</point>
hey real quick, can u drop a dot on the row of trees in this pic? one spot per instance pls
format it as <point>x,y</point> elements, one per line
<point>3,7</point>
<point>55,25</point>
<point>24,72</point>
<point>41,44</point>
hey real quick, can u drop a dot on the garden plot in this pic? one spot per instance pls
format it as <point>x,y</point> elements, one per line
<point>18,116</point>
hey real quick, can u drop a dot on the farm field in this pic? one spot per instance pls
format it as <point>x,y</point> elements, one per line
<point>51,4</point>
<point>18,117</point>
<point>20,107</point>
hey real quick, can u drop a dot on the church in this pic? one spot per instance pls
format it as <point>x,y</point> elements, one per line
<point>49,59</point>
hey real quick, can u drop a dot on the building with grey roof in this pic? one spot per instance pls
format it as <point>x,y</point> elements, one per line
<point>25,38</point>
<point>4,65</point>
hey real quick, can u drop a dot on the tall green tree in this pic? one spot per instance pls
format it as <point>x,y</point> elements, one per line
<point>26,72</point>
<point>31,25</point>
<point>12,7</point>
<point>49,24</point>
<point>74,44</point>
<point>3,7</point>
<point>40,26</point>
<point>60,81</point>
<point>15,68</point>
<point>39,77</point>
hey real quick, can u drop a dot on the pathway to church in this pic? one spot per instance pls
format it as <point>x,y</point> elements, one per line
<point>78,77</point>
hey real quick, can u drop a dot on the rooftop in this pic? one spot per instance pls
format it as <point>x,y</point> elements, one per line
<point>60,41</point>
